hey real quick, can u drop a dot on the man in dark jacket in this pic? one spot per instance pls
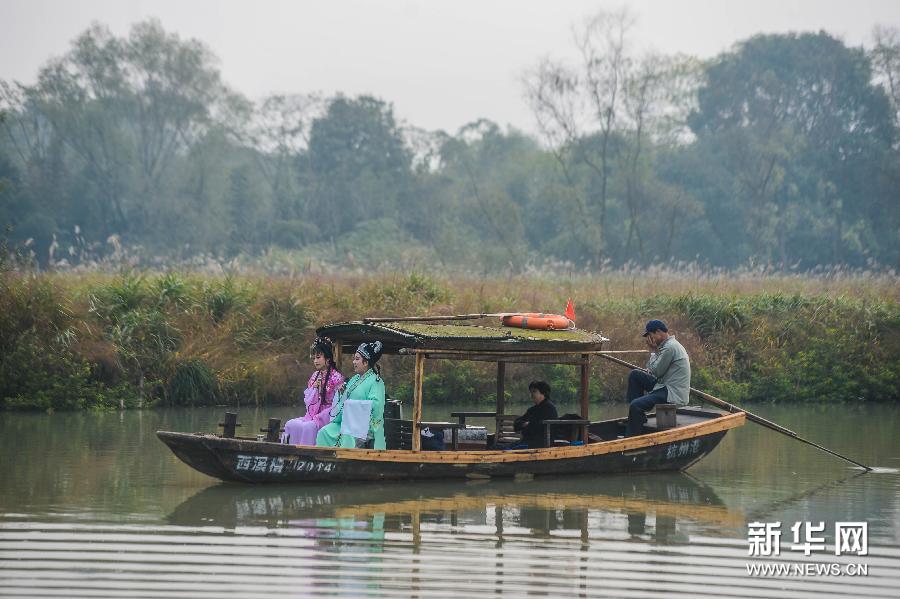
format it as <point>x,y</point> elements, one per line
<point>531,423</point>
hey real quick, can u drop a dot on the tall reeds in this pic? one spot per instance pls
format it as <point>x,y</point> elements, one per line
<point>70,341</point>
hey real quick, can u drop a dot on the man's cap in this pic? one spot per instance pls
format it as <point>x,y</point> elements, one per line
<point>655,325</point>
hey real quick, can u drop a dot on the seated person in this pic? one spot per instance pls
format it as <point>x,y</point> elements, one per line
<point>666,380</point>
<point>531,423</point>
<point>366,385</point>
<point>318,396</point>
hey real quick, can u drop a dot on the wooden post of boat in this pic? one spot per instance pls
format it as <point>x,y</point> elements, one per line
<point>272,430</point>
<point>501,398</point>
<point>418,381</point>
<point>750,416</point>
<point>585,406</point>
<point>338,353</point>
<point>229,425</point>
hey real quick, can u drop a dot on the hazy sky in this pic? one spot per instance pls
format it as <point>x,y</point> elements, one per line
<point>442,63</point>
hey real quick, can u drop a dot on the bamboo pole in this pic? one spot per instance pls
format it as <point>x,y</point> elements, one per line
<point>750,416</point>
<point>511,352</point>
<point>585,407</point>
<point>417,401</point>
<point>436,317</point>
<point>509,358</point>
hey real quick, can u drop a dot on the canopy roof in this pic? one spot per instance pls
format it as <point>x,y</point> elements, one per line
<point>462,337</point>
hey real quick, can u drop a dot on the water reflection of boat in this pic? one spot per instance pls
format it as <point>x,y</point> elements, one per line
<point>539,505</point>
<point>599,449</point>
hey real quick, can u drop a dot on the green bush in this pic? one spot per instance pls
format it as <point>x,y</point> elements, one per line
<point>110,302</point>
<point>170,290</point>
<point>708,314</point>
<point>194,384</point>
<point>36,377</point>
<point>222,297</point>
<point>279,320</point>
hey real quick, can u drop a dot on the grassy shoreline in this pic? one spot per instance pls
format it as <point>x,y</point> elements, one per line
<point>84,341</point>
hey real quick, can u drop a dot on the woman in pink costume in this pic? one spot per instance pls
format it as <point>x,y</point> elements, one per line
<point>319,394</point>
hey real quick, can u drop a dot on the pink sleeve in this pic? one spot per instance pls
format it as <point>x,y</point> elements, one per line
<point>316,408</point>
<point>323,417</point>
<point>334,382</point>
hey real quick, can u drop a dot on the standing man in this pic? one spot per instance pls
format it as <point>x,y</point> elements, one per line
<point>669,379</point>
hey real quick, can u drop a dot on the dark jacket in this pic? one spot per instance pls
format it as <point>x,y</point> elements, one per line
<point>533,434</point>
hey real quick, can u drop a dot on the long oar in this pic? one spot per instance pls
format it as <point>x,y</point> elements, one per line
<point>750,416</point>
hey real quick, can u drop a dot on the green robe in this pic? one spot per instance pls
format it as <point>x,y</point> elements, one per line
<point>367,386</point>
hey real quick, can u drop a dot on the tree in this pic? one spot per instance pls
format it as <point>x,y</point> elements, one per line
<point>489,186</point>
<point>603,120</point>
<point>885,57</point>
<point>657,95</point>
<point>573,105</point>
<point>797,121</point>
<point>361,168</point>
<point>39,198</point>
<point>126,107</point>
<point>279,132</point>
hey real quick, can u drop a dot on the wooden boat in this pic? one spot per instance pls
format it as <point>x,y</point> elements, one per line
<point>600,449</point>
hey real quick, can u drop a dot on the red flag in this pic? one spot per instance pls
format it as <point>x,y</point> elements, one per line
<point>570,310</point>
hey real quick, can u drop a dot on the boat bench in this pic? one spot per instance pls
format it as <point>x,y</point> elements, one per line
<point>574,430</point>
<point>504,425</point>
<point>441,426</point>
<point>398,433</point>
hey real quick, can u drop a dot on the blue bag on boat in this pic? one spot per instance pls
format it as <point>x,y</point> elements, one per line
<point>431,441</point>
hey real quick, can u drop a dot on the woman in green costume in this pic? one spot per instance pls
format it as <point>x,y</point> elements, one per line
<point>367,386</point>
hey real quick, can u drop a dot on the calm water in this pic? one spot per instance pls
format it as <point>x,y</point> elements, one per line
<point>94,505</point>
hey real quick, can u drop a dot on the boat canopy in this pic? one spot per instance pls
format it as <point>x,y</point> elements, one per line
<point>398,336</point>
<point>431,341</point>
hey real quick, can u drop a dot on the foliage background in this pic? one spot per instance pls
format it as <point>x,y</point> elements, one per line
<point>102,341</point>
<point>168,240</point>
<point>782,150</point>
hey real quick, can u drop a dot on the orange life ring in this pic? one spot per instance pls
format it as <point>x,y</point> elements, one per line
<point>534,320</point>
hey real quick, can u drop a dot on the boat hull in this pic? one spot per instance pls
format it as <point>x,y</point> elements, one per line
<point>250,461</point>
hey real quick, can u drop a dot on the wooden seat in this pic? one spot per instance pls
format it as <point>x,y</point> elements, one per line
<point>505,431</point>
<point>398,433</point>
<point>503,424</point>
<point>560,426</point>
<point>461,416</point>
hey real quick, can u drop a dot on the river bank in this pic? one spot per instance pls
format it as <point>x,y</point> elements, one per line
<point>85,341</point>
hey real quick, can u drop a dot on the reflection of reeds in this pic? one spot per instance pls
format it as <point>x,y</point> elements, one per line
<point>751,334</point>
